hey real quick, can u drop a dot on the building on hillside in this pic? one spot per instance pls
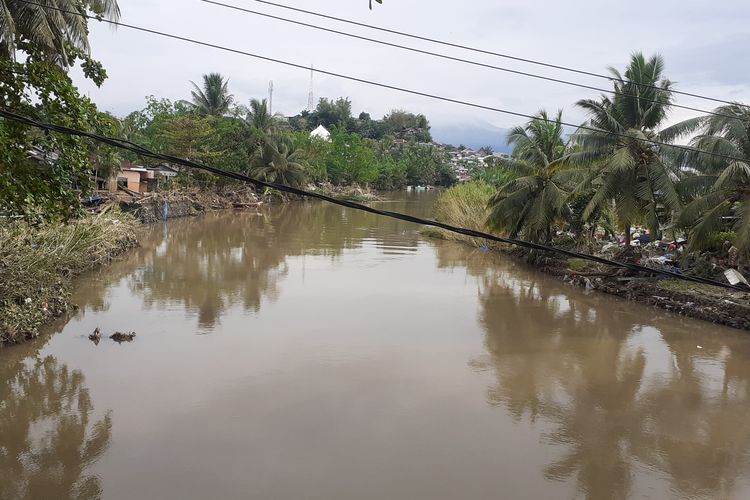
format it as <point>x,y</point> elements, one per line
<point>321,133</point>
<point>504,156</point>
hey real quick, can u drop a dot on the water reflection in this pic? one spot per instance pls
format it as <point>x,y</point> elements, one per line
<point>625,422</point>
<point>595,397</point>
<point>240,258</point>
<point>49,434</point>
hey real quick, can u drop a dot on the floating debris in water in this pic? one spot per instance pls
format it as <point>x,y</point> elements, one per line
<point>121,337</point>
<point>95,336</point>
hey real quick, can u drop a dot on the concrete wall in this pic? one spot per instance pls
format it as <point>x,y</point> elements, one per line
<point>134,180</point>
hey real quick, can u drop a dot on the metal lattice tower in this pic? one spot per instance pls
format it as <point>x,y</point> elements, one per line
<point>310,96</point>
<point>270,97</point>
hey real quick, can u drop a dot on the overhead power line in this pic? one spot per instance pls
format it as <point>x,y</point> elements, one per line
<point>468,61</point>
<point>135,148</point>
<point>394,87</point>
<point>484,51</point>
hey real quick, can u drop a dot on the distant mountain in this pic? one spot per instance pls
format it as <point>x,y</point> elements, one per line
<point>473,136</point>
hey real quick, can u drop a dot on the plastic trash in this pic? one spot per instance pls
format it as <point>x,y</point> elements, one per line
<point>735,277</point>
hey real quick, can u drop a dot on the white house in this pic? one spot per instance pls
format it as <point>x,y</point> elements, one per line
<point>322,133</point>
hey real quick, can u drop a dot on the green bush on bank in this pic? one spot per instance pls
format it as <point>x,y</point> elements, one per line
<point>37,264</point>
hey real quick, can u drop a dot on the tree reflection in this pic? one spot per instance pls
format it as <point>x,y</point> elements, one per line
<point>240,258</point>
<point>48,436</point>
<point>570,359</point>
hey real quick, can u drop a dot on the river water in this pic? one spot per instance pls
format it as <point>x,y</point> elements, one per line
<point>308,351</point>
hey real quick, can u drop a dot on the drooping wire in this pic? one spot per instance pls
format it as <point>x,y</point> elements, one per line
<point>488,52</point>
<point>396,88</point>
<point>141,151</point>
<point>471,62</point>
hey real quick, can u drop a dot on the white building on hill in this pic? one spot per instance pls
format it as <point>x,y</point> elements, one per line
<point>322,133</point>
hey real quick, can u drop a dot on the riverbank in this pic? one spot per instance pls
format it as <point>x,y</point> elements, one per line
<point>466,206</point>
<point>39,263</point>
<point>184,202</point>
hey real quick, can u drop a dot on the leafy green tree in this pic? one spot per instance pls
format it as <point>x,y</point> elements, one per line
<point>235,143</point>
<point>213,99</point>
<point>391,174</point>
<point>635,176</point>
<point>330,113</point>
<point>316,152</point>
<point>368,128</point>
<point>187,137</point>
<point>106,160</point>
<point>38,45</point>
<point>425,164</point>
<point>350,159</point>
<point>530,203</point>
<point>279,160</point>
<point>722,185</point>
<point>405,125</point>
<point>43,175</point>
<point>301,122</point>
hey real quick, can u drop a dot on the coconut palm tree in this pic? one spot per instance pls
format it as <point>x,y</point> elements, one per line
<point>279,160</point>
<point>634,176</point>
<point>261,119</point>
<point>721,185</point>
<point>49,30</point>
<point>214,98</point>
<point>530,203</point>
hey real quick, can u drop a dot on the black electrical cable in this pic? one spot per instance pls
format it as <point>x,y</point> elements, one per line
<point>122,144</point>
<point>488,52</point>
<point>393,87</point>
<point>470,62</point>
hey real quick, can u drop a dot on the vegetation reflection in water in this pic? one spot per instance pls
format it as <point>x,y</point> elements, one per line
<point>239,258</point>
<point>628,400</point>
<point>581,366</point>
<point>49,431</point>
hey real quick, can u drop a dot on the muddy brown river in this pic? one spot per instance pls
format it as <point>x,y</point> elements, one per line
<point>312,352</point>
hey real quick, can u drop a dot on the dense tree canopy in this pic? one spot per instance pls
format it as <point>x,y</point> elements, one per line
<point>43,175</point>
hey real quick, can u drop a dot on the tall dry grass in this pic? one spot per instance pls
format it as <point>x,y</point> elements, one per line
<point>37,264</point>
<point>464,205</point>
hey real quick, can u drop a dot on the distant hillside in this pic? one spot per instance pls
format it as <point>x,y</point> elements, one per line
<point>472,135</point>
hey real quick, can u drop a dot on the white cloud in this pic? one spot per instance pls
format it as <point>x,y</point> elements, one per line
<point>698,41</point>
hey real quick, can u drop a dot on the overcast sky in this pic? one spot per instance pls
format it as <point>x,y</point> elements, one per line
<point>704,45</point>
